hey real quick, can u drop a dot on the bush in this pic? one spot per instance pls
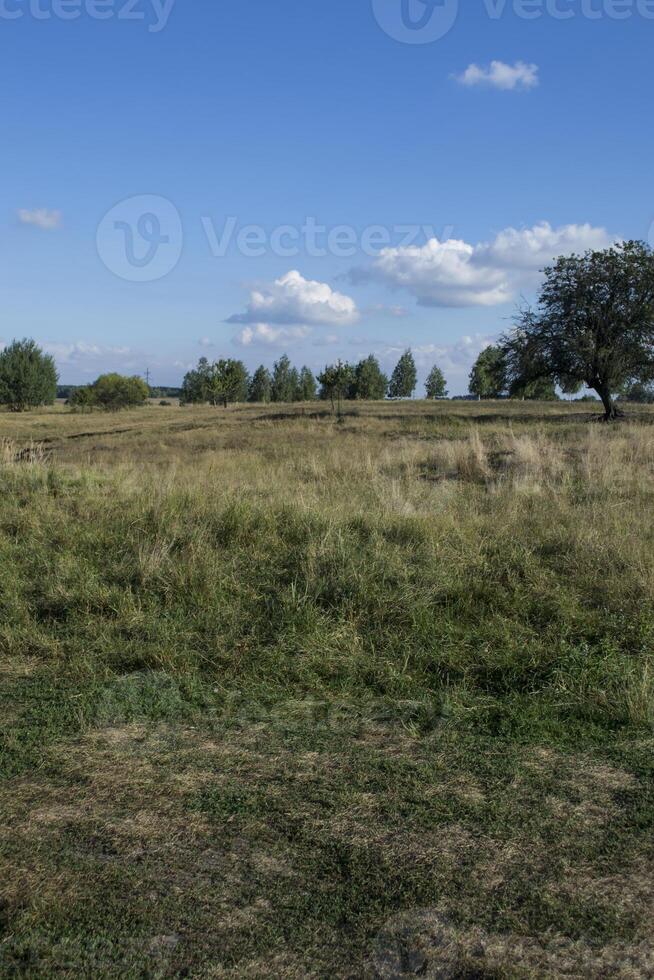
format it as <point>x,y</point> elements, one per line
<point>111,392</point>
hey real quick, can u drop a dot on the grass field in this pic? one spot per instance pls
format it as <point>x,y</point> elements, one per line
<point>283,697</point>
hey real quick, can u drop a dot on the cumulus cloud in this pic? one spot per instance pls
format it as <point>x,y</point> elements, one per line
<point>40,218</point>
<point>456,273</point>
<point>501,76</point>
<point>292,299</point>
<point>265,335</point>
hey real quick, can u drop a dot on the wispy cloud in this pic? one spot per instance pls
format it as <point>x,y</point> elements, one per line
<point>40,218</point>
<point>501,76</point>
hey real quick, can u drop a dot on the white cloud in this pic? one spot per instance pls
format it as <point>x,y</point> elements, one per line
<point>458,274</point>
<point>265,335</point>
<point>40,218</point>
<point>296,300</point>
<point>501,76</point>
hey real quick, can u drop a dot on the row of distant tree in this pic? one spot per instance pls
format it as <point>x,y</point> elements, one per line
<point>593,326</point>
<point>228,380</point>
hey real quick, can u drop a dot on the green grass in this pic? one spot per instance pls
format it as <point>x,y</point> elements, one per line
<point>286,698</point>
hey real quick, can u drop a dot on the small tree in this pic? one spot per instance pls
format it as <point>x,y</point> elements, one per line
<point>404,377</point>
<point>593,325</point>
<point>195,387</point>
<point>335,381</point>
<point>488,375</point>
<point>28,377</point>
<point>436,386</point>
<point>307,386</point>
<point>115,391</point>
<point>260,388</point>
<point>370,383</point>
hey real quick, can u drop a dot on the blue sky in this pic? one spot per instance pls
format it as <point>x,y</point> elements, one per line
<point>456,167</point>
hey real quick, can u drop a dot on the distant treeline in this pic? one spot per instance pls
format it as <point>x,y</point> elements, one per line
<point>67,391</point>
<point>228,380</point>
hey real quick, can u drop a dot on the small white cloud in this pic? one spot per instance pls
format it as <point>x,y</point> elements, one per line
<point>501,76</point>
<point>40,218</point>
<point>265,335</point>
<point>296,300</point>
<point>458,274</point>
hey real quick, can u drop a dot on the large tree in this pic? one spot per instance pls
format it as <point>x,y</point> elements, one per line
<point>28,377</point>
<point>436,385</point>
<point>593,325</point>
<point>404,378</point>
<point>488,375</point>
<point>370,383</point>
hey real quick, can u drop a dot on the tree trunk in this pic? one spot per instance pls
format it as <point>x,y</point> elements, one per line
<point>611,411</point>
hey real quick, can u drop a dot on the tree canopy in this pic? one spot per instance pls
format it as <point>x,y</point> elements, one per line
<point>115,391</point>
<point>260,387</point>
<point>335,381</point>
<point>28,377</point>
<point>369,382</point>
<point>488,375</point>
<point>593,325</point>
<point>436,386</point>
<point>219,383</point>
<point>404,378</point>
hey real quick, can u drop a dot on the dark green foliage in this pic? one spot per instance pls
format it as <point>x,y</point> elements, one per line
<point>284,382</point>
<point>219,383</point>
<point>307,386</point>
<point>260,388</point>
<point>369,383</point>
<point>593,326</point>
<point>28,377</point>
<point>488,375</point>
<point>436,385</point>
<point>639,392</point>
<point>82,398</point>
<point>335,382</point>
<point>113,392</point>
<point>541,390</point>
<point>404,378</point>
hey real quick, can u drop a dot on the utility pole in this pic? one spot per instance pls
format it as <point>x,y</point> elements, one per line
<point>147,377</point>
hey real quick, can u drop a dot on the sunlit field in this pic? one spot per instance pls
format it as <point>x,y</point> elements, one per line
<point>283,695</point>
